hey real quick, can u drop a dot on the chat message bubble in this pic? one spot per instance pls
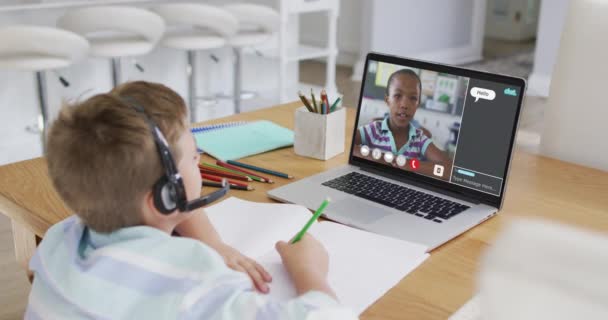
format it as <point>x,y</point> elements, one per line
<point>480,93</point>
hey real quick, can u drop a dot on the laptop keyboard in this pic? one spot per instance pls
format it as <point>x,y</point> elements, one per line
<point>392,195</point>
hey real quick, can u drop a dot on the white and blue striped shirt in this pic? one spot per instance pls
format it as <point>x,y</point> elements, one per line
<point>143,273</point>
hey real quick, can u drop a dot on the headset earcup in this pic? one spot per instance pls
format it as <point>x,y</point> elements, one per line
<point>164,196</point>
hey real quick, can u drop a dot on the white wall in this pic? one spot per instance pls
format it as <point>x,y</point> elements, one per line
<point>575,118</point>
<point>435,30</point>
<point>415,27</point>
<point>551,22</point>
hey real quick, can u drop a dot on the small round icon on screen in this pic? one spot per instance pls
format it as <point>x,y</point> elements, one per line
<point>376,154</point>
<point>414,164</point>
<point>389,157</point>
<point>401,159</point>
<point>364,151</point>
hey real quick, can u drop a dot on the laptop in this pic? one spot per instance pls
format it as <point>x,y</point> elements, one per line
<point>430,156</point>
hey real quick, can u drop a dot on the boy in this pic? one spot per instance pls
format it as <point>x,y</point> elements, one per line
<point>117,258</point>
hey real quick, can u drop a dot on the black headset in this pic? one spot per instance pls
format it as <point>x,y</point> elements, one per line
<point>169,192</point>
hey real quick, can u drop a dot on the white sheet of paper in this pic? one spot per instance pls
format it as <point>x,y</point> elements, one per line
<point>363,266</point>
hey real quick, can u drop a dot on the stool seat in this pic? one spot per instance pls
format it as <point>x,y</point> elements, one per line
<point>119,44</point>
<point>195,27</point>
<point>115,31</point>
<point>192,39</point>
<point>33,62</point>
<point>249,38</point>
<point>37,48</point>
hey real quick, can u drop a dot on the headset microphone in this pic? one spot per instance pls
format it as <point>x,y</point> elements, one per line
<point>169,192</point>
<point>205,200</point>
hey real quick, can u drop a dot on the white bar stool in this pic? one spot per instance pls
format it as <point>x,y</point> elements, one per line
<point>257,24</point>
<point>37,49</point>
<point>115,32</point>
<point>193,28</point>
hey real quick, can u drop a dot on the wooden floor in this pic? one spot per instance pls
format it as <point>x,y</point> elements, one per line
<point>15,287</point>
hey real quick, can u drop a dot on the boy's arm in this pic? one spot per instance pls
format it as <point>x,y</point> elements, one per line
<point>307,263</point>
<point>234,302</point>
<point>199,227</point>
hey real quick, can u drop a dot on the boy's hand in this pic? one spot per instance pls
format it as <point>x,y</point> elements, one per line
<point>237,261</point>
<point>307,262</point>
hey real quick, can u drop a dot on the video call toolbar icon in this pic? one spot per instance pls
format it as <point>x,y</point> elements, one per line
<point>438,170</point>
<point>401,159</point>
<point>376,154</point>
<point>414,164</point>
<point>389,157</point>
<point>364,151</point>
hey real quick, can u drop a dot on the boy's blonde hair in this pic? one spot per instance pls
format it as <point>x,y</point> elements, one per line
<point>102,158</point>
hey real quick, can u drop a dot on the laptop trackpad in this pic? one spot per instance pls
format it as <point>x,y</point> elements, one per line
<point>357,210</point>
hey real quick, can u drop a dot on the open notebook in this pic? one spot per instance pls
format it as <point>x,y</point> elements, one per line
<point>363,265</point>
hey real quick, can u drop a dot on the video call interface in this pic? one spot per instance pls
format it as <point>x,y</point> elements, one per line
<point>444,126</point>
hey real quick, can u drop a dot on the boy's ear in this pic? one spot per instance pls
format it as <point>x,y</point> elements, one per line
<point>148,209</point>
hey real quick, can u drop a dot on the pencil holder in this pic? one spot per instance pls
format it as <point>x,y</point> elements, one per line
<point>319,136</point>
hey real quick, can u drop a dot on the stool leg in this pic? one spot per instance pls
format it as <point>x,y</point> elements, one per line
<point>42,104</point>
<point>116,75</point>
<point>236,96</point>
<point>192,81</point>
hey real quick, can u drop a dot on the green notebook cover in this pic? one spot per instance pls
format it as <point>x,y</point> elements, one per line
<point>242,141</point>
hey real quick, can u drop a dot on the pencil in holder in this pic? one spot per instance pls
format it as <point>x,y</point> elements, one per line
<point>319,136</point>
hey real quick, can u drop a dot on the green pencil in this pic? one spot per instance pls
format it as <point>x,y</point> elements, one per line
<point>305,102</point>
<point>333,106</point>
<point>314,217</point>
<point>314,101</point>
<point>213,166</point>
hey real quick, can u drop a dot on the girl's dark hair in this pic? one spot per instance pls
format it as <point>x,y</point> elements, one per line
<point>407,72</point>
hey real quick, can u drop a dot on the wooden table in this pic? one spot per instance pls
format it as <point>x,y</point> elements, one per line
<point>538,187</point>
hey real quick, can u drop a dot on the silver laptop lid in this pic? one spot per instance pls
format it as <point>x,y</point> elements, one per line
<point>444,127</point>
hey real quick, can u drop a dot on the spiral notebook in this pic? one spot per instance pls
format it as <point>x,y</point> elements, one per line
<point>236,141</point>
<point>212,127</point>
<point>219,126</point>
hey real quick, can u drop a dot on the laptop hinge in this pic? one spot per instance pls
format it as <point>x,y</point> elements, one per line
<point>422,185</point>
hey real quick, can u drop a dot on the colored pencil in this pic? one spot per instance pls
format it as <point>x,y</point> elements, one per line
<point>324,99</point>
<point>333,106</point>
<point>231,171</point>
<point>225,174</point>
<point>314,217</point>
<point>254,168</point>
<point>305,102</point>
<point>232,186</point>
<point>247,172</point>
<point>237,171</point>
<point>314,101</point>
<point>215,178</point>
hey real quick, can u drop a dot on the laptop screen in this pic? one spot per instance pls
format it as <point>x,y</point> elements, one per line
<point>439,122</point>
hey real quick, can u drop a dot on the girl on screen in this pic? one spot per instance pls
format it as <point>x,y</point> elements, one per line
<point>397,133</point>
